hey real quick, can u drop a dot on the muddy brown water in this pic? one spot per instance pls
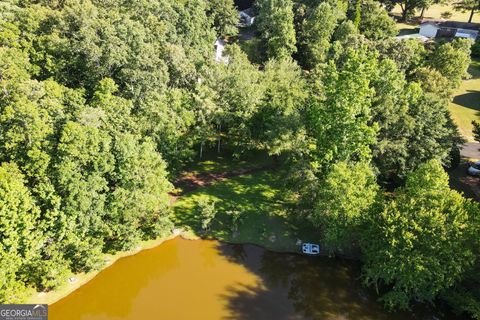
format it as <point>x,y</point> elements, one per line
<point>200,279</point>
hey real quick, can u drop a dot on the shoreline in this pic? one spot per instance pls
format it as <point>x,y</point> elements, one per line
<point>68,287</point>
<point>81,279</point>
<point>50,297</point>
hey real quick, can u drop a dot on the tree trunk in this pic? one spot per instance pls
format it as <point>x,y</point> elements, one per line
<point>201,150</point>
<point>219,138</point>
<point>404,15</point>
<point>471,15</point>
<point>404,12</point>
<point>422,13</point>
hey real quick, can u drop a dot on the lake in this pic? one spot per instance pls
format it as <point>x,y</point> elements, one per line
<point>200,279</point>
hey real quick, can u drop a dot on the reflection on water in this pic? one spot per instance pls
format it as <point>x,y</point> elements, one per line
<point>183,279</point>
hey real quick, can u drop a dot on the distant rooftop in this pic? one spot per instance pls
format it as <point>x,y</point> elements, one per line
<point>453,24</point>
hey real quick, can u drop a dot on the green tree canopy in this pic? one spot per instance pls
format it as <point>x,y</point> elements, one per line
<point>418,244</point>
<point>344,197</point>
<point>275,23</point>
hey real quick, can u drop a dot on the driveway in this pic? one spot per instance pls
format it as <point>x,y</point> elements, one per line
<point>470,150</point>
<point>459,179</point>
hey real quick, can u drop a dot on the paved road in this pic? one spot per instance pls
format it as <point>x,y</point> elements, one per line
<point>471,150</point>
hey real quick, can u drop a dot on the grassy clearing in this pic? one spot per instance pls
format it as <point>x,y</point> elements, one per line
<point>465,105</point>
<point>436,10</point>
<point>263,203</point>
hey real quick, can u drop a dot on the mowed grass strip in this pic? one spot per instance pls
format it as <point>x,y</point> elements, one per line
<point>435,12</point>
<point>465,105</point>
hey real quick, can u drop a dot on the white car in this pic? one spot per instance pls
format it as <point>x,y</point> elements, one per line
<point>310,248</point>
<point>474,169</point>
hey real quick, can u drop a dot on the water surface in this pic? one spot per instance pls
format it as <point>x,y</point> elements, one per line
<point>184,279</point>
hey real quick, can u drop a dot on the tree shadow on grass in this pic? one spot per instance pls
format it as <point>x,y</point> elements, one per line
<point>470,100</point>
<point>407,31</point>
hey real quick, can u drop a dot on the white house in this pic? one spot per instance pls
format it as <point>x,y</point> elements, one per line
<point>219,48</point>
<point>429,29</point>
<point>449,29</point>
<point>247,17</point>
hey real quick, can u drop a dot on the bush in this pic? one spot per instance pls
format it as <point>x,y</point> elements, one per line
<point>206,211</point>
<point>236,216</point>
<point>446,15</point>
<point>476,50</point>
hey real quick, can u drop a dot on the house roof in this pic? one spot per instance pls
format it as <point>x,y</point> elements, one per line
<point>452,24</point>
<point>249,11</point>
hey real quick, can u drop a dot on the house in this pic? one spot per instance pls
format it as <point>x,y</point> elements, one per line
<point>449,29</point>
<point>219,48</point>
<point>247,17</point>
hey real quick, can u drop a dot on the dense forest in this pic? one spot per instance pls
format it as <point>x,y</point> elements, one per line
<point>102,102</point>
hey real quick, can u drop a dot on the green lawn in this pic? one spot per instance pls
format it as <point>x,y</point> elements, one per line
<point>465,106</point>
<point>436,10</point>
<point>263,203</point>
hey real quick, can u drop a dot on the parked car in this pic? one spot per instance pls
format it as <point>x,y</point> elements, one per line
<point>474,169</point>
<point>311,248</point>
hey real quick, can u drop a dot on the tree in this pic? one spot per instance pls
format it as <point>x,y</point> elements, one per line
<point>452,60</point>
<point>207,113</point>
<point>408,7</point>
<point>476,130</point>
<point>138,207</point>
<point>317,30</point>
<point>83,165</point>
<point>275,23</point>
<point>278,125</point>
<point>224,16</point>
<point>206,211</point>
<point>434,134</point>
<point>19,237</point>
<point>389,111</point>
<point>464,297</point>
<point>169,119</point>
<point>339,113</point>
<point>468,5</point>
<point>408,54</point>
<point>432,81</point>
<point>419,243</point>
<point>375,23</point>
<point>240,90</point>
<point>344,197</point>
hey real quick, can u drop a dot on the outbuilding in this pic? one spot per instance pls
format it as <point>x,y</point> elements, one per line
<point>449,29</point>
